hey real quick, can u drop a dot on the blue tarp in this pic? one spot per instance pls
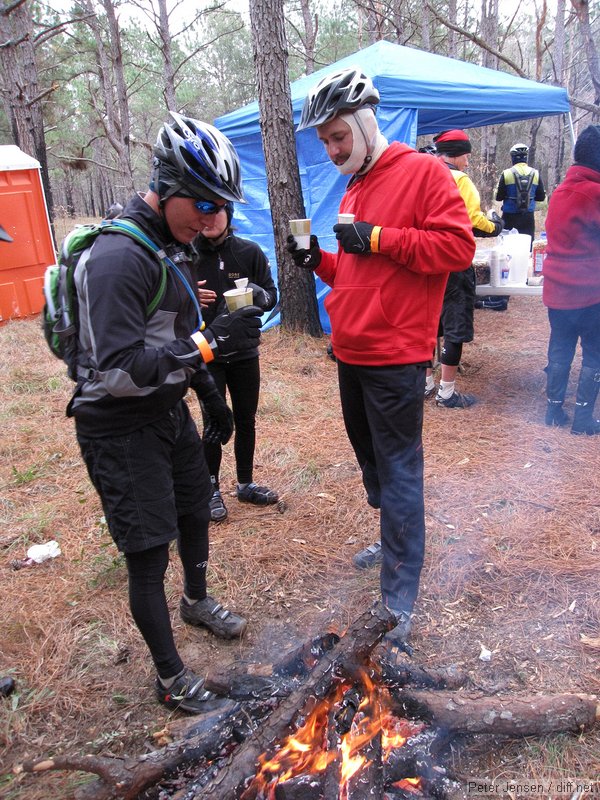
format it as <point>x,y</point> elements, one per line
<point>421,93</point>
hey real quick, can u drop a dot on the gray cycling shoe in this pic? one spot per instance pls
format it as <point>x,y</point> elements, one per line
<point>209,613</point>
<point>369,557</point>
<point>188,694</point>
<point>218,512</point>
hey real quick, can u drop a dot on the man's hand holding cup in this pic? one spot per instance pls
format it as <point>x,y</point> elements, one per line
<point>302,245</point>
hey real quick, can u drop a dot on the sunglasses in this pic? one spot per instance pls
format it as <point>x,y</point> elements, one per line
<point>204,206</point>
<point>207,207</point>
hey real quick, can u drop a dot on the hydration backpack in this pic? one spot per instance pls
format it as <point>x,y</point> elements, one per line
<point>523,184</point>
<point>60,316</point>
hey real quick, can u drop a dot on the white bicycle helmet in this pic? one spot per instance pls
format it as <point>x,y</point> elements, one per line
<point>519,151</point>
<point>344,91</point>
<point>196,158</point>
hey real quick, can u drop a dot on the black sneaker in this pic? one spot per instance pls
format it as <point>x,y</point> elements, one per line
<point>456,400</point>
<point>188,694</point>
<point>208,613</point>
<point>218,512</point>
<point>430,392</point>
<point>257,495</point>
<point>368,557</point>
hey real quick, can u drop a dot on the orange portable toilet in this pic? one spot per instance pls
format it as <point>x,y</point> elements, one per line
<point>24,216</point>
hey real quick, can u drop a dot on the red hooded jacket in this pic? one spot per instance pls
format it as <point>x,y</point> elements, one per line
<point>384,308</point>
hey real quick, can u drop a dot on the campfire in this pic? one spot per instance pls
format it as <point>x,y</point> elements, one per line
<point>345,744</point>
<point>334,719</point>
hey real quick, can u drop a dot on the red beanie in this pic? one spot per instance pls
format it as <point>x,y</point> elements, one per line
<point>452,143</point>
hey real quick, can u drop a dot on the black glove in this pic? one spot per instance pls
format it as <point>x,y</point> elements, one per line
<point>498,228</point>
<point>309,259</point>
<point>498,224</point>
<point>260,298</point>
<point>216,414</point>
<point>354,238</point>
<point>235,332</point>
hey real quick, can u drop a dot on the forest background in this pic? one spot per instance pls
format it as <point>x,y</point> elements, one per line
<point>85,86</point>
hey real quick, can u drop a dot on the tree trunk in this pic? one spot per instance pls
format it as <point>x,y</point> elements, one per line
<point>298,301</point>
<point>582,9</point>
<point>20,89</point>
<point>112,107</point>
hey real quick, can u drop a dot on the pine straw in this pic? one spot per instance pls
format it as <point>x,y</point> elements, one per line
<point>513,551</point>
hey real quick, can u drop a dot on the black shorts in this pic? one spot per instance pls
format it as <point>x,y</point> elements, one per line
<point>456,321</point>
<point>149,478</point>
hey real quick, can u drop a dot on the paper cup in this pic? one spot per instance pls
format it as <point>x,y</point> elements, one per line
<point>345,219</point>
<point>238,298</point>
<point>241,283</point>
<point>300,229</point>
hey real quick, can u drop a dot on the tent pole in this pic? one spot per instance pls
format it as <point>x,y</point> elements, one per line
<point>571,129</point>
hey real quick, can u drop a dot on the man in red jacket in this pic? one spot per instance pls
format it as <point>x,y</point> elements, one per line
<point>387,285</point>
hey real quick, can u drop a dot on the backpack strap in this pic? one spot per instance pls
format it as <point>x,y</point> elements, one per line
<point>135,232</point>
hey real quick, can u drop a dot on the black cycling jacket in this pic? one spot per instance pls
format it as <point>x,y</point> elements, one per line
<point>140,367</point>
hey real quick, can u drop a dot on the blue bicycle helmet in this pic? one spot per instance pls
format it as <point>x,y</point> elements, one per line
<point>196,158</point>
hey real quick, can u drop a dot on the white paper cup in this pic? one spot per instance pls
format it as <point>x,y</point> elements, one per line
<point>345,219</point>
<point>300,229</point>
<point>241,283</point>
<point>238,298</point>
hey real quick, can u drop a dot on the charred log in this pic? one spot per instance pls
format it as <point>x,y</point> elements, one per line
<point>247,681</point>
<point>405,673</point>
<point>367,783</point>
<point>126,778</point>
<point>305,787</point>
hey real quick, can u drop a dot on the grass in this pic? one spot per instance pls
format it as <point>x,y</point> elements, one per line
<point>512,562</point>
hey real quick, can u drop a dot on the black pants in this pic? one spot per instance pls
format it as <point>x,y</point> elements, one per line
<point>383,415</point>
<point>524,222</point>
<point>242,379</point>
<point>147,600</point>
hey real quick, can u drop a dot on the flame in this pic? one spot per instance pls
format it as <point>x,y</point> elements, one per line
<point>308,752</point>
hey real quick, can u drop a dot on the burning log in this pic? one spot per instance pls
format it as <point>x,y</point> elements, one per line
<point>367,782</point>
<point>345,660</point>
<point>504,716</point>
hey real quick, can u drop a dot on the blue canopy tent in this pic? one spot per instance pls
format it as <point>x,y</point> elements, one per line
<point>421,93</point>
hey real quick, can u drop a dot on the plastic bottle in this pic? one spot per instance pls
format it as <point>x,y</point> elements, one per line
<point>503,268</point>
<point>538,254</point>
<point>499,265</point>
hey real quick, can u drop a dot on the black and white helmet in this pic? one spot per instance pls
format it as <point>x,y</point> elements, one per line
<point>344,91</point>
<point>197,158</point>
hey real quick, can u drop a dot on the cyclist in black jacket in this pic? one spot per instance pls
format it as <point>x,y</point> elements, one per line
<point>222,258</point>
<point>140,445</point>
